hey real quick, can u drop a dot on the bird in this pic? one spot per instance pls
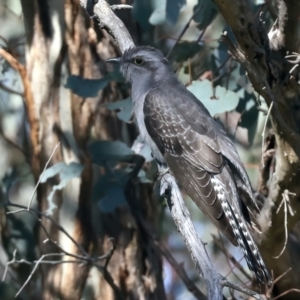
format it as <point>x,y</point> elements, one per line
<point>186,140</point>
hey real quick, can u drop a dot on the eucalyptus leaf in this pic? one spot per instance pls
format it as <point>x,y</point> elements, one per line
<point>165,11</point>
<point>141,12</point>
<point>206,13</point>
<point>216,101</point>
<point>66,173</point>
<point>185,50</point>
<point>84,87</point>
<point>123,108</point>
<point>113,199</point>
<point>103,151</point>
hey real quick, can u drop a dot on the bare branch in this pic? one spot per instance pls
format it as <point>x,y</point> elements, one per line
<point>286,292</point>
<point>179,268</point>
<point>181,217</point>
<point>120,6</point>
<point>41,176</point>
<point>109,20</point>
<point>81,259</point>
<point>243,289</point>
<point>287,206</point>
<point>264,131</point>
<point>233,260</point>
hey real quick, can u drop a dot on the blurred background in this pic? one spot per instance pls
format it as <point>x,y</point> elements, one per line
<point>109,150</point>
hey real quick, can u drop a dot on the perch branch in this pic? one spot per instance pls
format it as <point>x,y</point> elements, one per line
<point>196,247</point>
<point>181,216</point>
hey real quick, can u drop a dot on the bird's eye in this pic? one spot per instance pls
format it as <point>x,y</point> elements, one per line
<point>138,61</point>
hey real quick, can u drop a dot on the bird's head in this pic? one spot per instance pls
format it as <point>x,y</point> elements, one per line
<point>142,63</point>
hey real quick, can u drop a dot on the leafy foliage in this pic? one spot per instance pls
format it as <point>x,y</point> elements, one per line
<point>156,12</point>
<point>218,101</point>
<point>66,173</point>
<point>123,108</point>
<point>205,12</point>
<point>121,164</point>
<point>86,87</point>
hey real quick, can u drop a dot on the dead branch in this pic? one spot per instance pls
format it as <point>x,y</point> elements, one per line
<point>112,23</point>
<point>30,107</point>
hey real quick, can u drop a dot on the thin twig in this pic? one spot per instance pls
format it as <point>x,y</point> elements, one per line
<point>264,130</point>
<point>163,250</point>
<point>185,28</point>
<point>243,289</point>
<point>191,286</point>
<point>41,176</point>
<point>286,292</point>
<point>282,275</point>
<point>10,90</point>
<point>39,213</point>
<point>287,207</point>
<point>30,275</point>
<point>231,258</point>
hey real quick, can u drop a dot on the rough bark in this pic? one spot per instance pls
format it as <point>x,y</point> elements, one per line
<point>61,41</point>
<point>263,56</point>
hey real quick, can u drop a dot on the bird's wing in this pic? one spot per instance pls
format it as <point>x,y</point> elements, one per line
<point>193,154</point>
<point>203,160</point>
<point>216,137</point>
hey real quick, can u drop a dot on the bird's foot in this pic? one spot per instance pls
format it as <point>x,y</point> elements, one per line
<point>161,185</point>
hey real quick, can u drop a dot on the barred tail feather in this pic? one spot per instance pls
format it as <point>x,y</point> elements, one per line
<point>242,234</point>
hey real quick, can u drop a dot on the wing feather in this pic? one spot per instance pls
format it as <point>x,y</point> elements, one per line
<point>192,156</point>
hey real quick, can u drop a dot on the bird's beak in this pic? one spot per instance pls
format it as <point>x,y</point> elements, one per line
<point>115,60</point>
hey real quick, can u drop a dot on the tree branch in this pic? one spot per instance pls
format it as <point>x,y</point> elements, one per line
<point>109,20</point>
<point>272,80</point>
<point>181,217</point>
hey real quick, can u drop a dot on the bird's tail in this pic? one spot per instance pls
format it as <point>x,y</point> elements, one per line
<point>242,234</point>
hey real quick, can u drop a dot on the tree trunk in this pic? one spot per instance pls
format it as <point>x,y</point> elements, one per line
<point>61,41</point>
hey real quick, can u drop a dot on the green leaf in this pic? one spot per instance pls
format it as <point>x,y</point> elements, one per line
<point>165,11</point>
<point>159,14</point>
<point>216,102</point>
<point>109,192</point>
<point>141,12</point>
<point>66,173</point>
<point>113,199</point>
<point>207,11</point>
<point>185,50</point>
<point>250,114</point>
<point>86,87</point>
<point>103,151</point>
<point>173,9</point>
<point>124,108</point>
<point>52,171</point>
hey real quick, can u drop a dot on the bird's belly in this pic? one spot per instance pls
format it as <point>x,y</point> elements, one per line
<point>148,140</point>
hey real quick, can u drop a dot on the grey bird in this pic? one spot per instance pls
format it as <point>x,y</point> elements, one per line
<point>184,138</point>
